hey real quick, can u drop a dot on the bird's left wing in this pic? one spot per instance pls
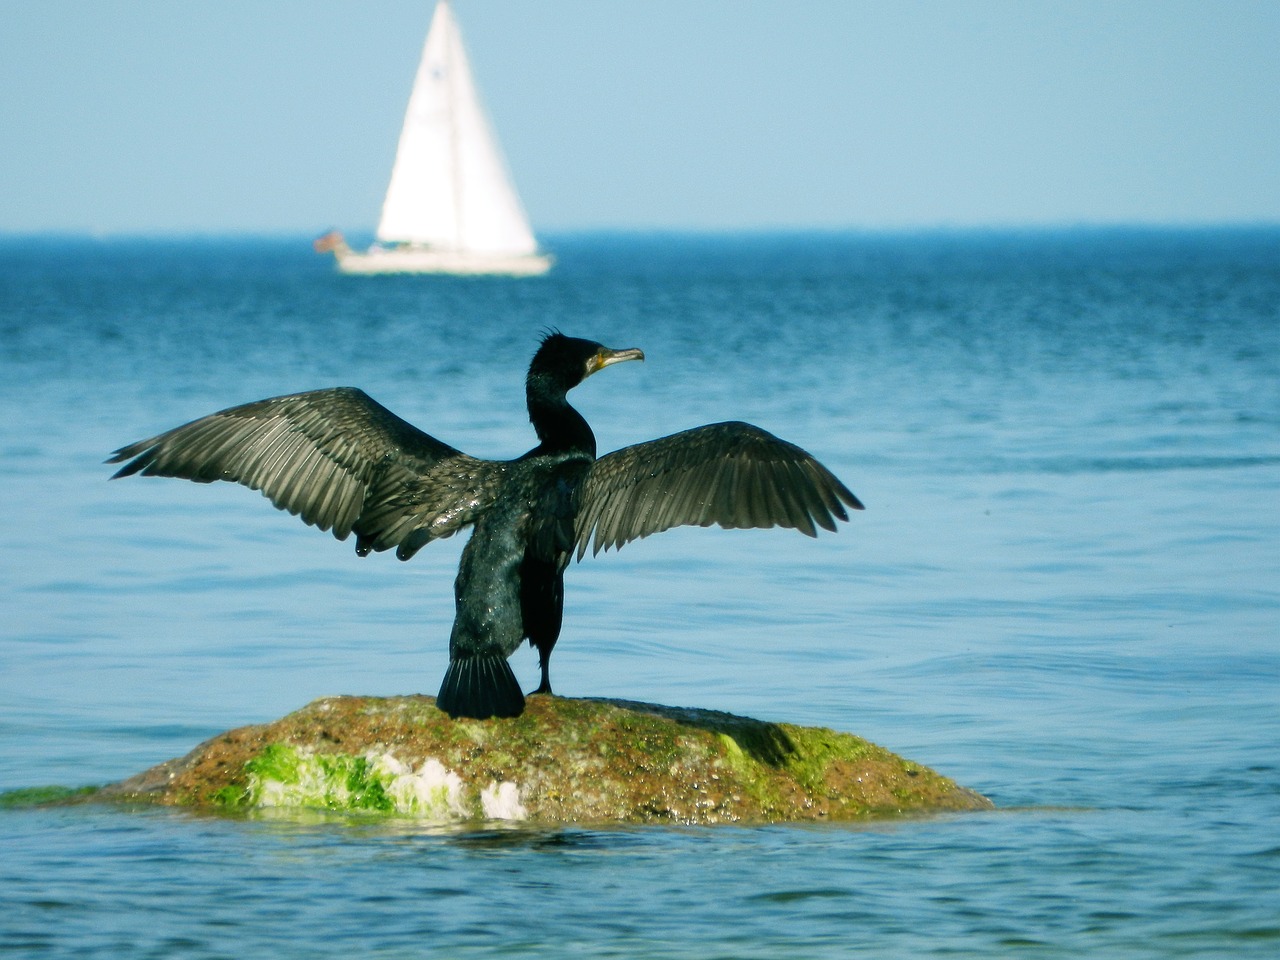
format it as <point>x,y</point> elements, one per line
<point>733,475</point>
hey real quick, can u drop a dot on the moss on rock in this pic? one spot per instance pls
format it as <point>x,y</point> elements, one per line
<point>563,760</point>
<point>44,796</point>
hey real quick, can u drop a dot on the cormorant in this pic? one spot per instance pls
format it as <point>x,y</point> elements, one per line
<point>343,462</point>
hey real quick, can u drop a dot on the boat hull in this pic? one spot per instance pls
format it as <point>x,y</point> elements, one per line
<point>410,260</point>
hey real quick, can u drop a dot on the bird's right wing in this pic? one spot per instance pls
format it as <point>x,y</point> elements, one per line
<point>733,475</point>
<point>336,458</point>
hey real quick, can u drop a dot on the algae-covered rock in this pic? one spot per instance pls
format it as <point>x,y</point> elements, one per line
<point>563,760</point>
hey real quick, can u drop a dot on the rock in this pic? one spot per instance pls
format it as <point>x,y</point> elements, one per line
<point>562,761</point>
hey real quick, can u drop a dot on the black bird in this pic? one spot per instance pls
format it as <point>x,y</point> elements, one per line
<point>343,462</point>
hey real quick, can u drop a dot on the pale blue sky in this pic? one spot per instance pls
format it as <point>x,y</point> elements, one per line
<point>282,115</point>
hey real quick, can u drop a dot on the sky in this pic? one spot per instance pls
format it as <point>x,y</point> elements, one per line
<point>243,116</point>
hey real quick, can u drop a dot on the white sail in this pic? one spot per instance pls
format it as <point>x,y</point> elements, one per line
<point>451,206</point>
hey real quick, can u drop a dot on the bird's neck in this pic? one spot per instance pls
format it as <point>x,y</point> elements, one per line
<point>561,428</point>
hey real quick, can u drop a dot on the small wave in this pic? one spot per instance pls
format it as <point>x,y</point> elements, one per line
<point>1129,464</point>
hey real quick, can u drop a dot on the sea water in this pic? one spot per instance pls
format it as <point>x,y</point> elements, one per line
<point>1064,593</point>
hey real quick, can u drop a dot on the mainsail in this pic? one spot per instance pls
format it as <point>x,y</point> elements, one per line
<point>451,206</point>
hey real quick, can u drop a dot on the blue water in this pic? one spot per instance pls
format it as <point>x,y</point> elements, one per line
<point>1064,593</point>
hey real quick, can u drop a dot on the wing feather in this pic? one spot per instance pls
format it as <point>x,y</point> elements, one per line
<point>796,503</point>
<point>336,458</point>
<point>728,474</point>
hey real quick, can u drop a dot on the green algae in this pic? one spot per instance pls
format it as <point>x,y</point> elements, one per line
<point>751,779</point>
<point>43,796</point>
<point>284,775</point>
<point>814,750</point>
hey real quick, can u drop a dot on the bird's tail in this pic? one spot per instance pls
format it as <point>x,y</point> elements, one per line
<point>480,687</point>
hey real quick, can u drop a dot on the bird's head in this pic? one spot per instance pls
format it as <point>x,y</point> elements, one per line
<point>562,363</point>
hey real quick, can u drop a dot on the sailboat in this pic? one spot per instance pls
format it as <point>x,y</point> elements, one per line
<point>451,206</point>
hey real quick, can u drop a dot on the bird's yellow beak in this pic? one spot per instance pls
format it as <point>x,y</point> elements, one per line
<point>605,357</point>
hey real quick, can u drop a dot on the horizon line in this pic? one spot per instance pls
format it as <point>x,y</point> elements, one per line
<point>886,231</point>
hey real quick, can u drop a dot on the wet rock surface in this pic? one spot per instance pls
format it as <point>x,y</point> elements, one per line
<point>564,760</point>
